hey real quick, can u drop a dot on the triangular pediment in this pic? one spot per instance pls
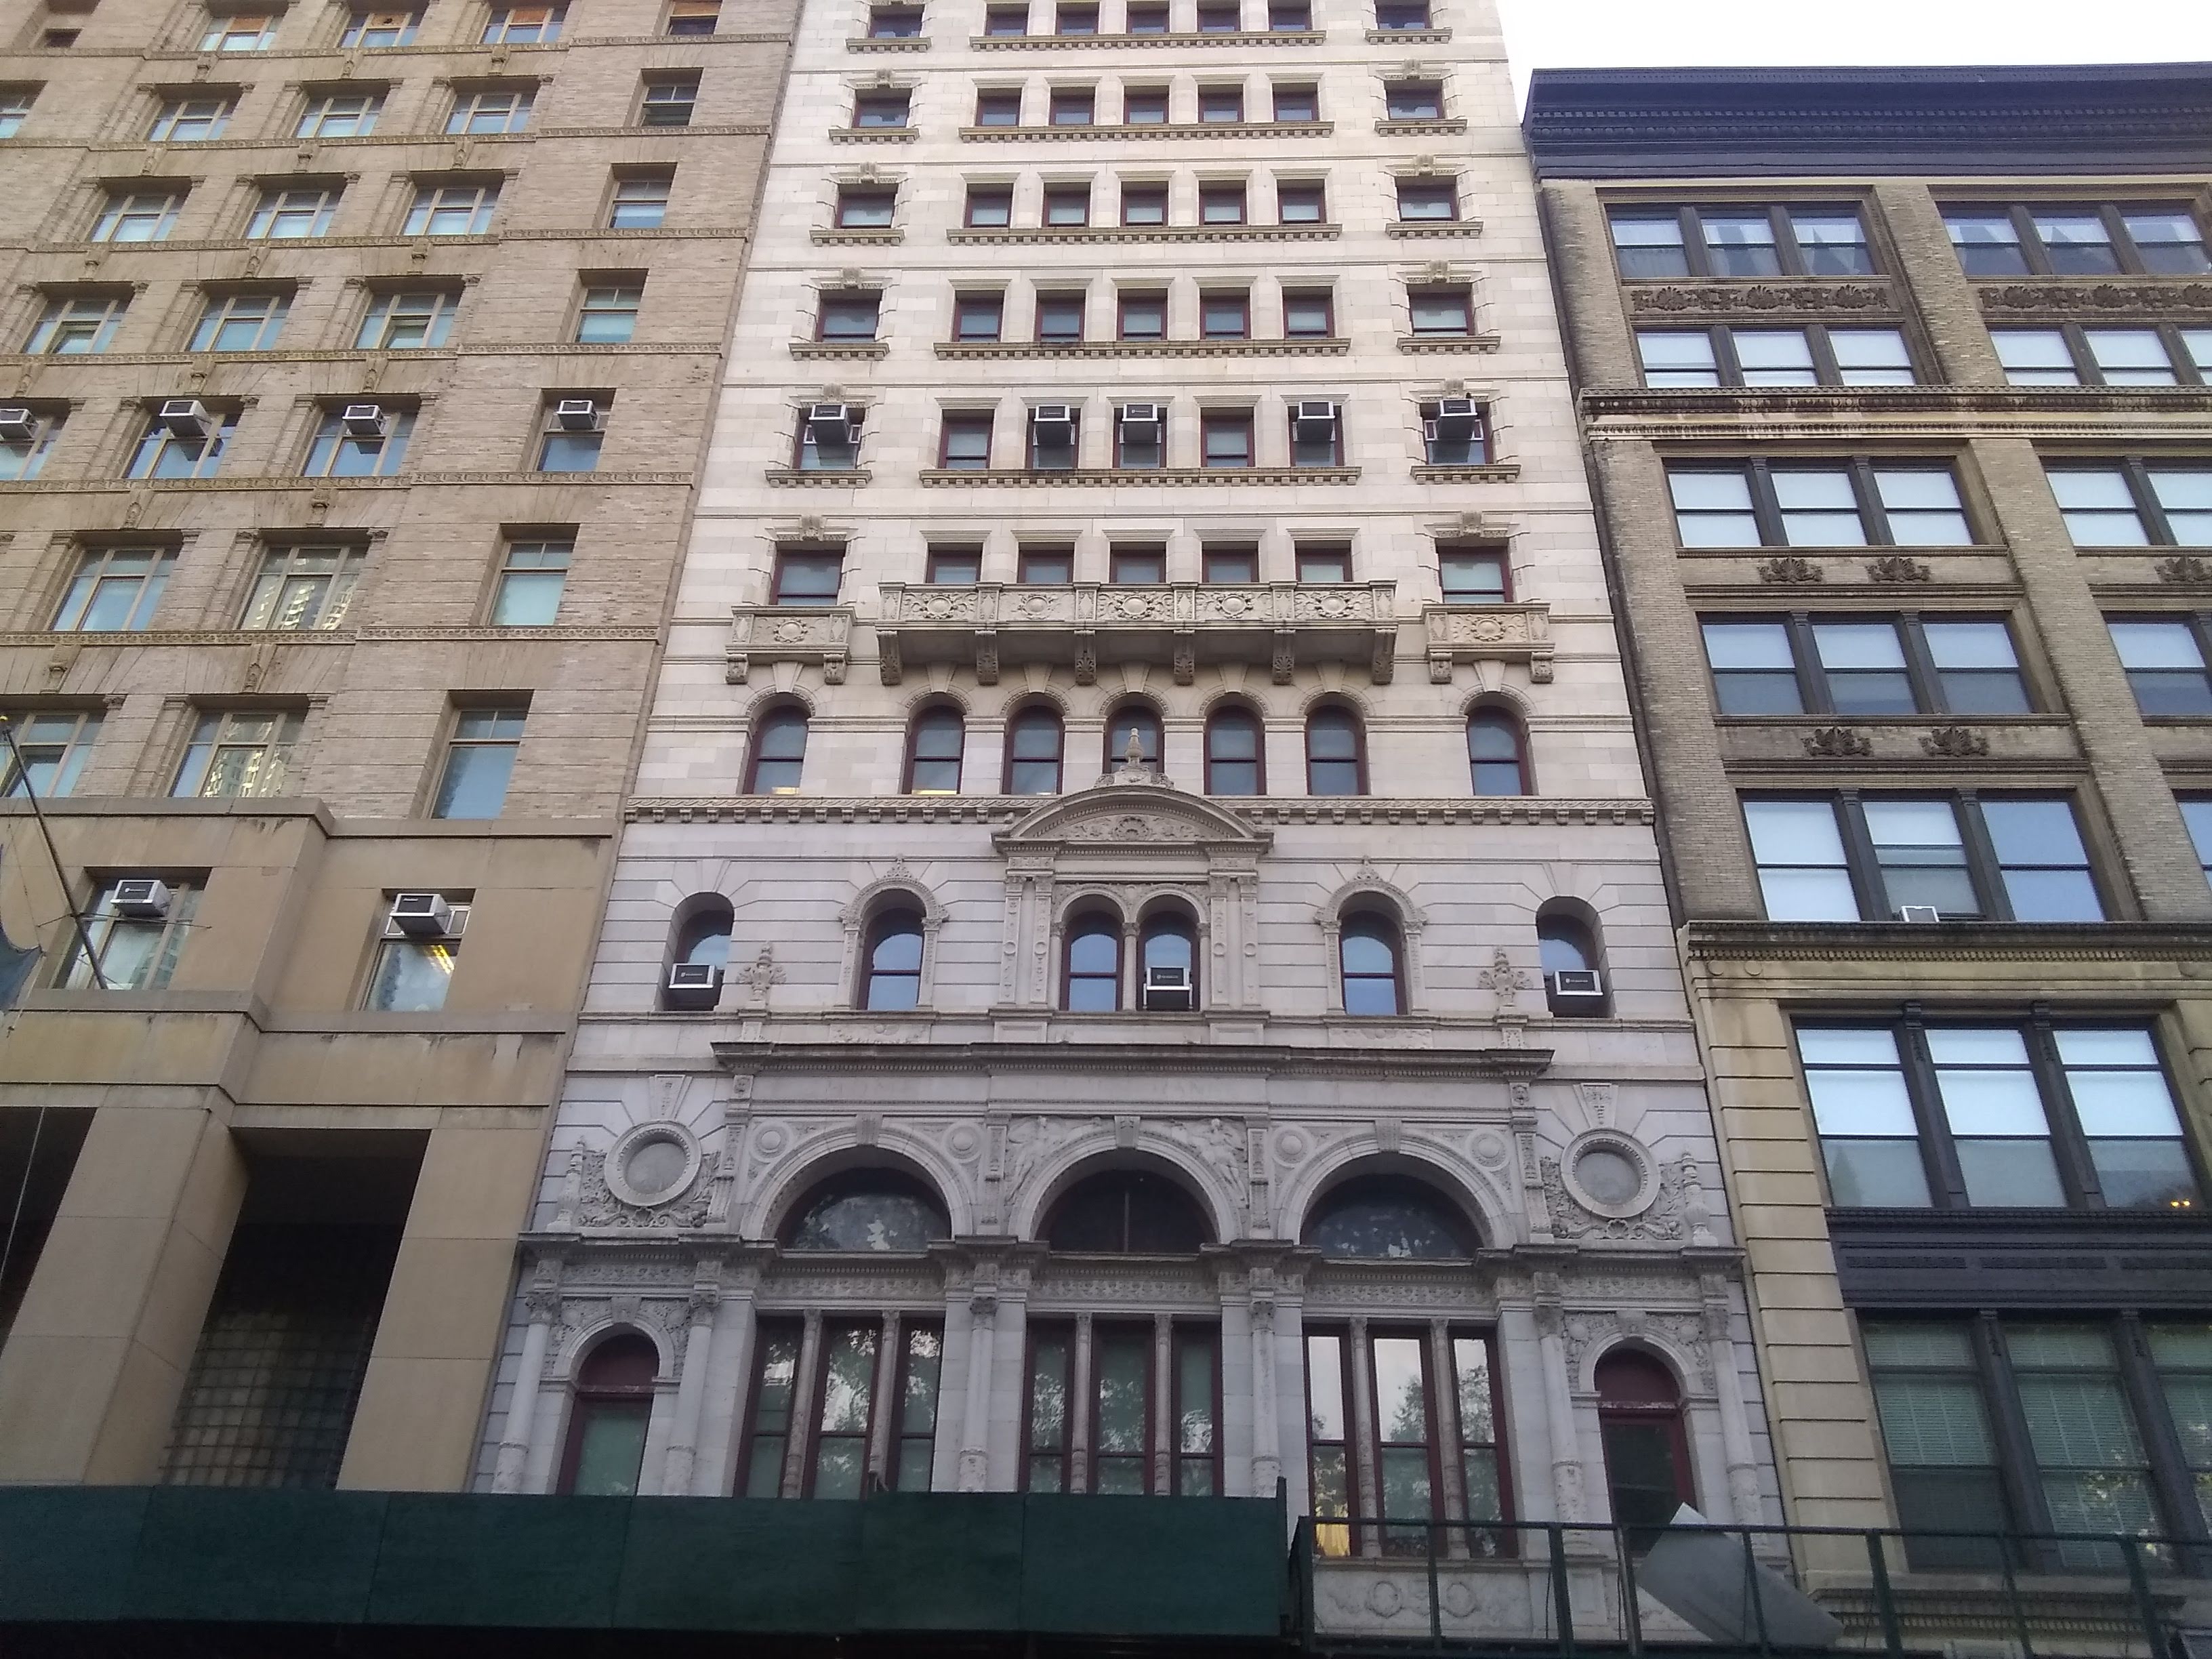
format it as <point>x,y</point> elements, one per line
<point>1133,815</point>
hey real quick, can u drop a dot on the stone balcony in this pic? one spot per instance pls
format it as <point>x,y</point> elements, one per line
<point>1182,623</point>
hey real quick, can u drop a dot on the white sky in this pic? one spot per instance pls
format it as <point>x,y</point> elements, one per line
<point>1659,34</point>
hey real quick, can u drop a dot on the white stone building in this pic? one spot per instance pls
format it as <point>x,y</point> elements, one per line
<point>1200,1003</point>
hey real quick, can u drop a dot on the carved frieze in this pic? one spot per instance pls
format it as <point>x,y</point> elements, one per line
<point>2064,299</point>
<point>1838,743</point>
<point>1760,299</point>
<point>1954,743</point>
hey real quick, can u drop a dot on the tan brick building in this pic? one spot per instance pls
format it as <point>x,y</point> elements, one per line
<point>360,362</point>
<point>1897,389</point>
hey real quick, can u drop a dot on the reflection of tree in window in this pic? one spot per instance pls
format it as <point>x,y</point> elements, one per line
<point>1121,1457</point>
<point>770,1431</point>
<point>870,1210</point>
<point>1401,1420</point>
<point>1388,1218</point>
<point>614,1403</point>
<point>1127,1212</point>
<point>849,1386</point>
<point>1048,1421</point>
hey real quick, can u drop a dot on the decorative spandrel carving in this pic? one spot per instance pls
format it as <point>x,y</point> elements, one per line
<point>598,1206</point>
<point>1759,299</point>
<point>1898,567</point>
<point>1954,743</point>
<point>1661,1222</point>
<point>1788,568</point>
<point>1838,743</point>
<point>1505,980</point>
<point>2061,299</point>
<point>1030,1139</point>
<point>1682,1333</point>
<point>2184,570</point>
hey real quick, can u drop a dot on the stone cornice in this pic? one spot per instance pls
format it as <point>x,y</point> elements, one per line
<point>1430,345</point>
<point>398,481</point>
<point>261,638</point>
<point>1154,130</point>
<point>1410,129</point>
<point>1408,37</point>
<point>846,478</point>
<point>342,57</point>
<point>1413,230</point>
<point>1495,810</point>
<point>1959,941</point>
<point>1853,414</point>
<point>1045,234</point>
<point>857,238</point>
<point>1121,1058</point>
<point>1335,346</point>
<point>873,135</point>
<point>1235,38</point>
<point>443,142</point>
<point>1496,472</point>
<point>364,357</point>
<point>1162,475</point>
<point>897,43</point>
<point>94,251</point>
<point>833,349</point>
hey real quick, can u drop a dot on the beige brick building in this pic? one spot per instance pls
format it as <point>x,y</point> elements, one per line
<point>1897,389</point>
<point>360,360</point>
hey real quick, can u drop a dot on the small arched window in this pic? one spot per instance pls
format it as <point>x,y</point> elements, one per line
<point>1496,756</point>
<point>1132,720</point>
<point>934,750</point>
<point>1167,961</point>
<point>1389,1219</point>
<point>778,752</point>
<point>1033,746</point>
<point>1233,762</point>
<point>1094,964</point>
<point>1647,1455</point>
<point>605,1449</point>
<point>868,1210</point>
<point>704,936</point>
<point>1127,1212</point>
<point>1368,952</point>
<point>1568,949</point>
<point>1336,759</point>
<point>891,979</point>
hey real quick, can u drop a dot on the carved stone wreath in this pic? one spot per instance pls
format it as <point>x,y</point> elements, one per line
<point>1653,1215</point>
<point>608,1200</point>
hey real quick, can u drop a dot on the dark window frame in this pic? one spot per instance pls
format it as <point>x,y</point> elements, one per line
<point>1249,716</point>
<point>780,715</point>
<point>1873,517</point>
<point>1490,717</point>
<point>1078,926</point>
<point>934,713</point>
<point>1230,421</point>
<point>2135,470</point>
<point>2036,254</point>
<point>2087,371</point>
<point>1827,369</point>
<point>587,1398</point>
<point>1014,721</point>
<point>1359,758</point>
<point>964,423</point>
<point>2199,626</point>
<point>1325,297</point>
<point>1790,253</point>
<point>1815,694</point>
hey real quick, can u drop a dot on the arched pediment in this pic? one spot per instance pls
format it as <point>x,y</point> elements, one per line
<point>1129,815</point>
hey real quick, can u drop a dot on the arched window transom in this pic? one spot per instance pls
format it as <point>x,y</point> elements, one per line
<point>1127,1212</point>
<point>877,1210</point>
<point>1389,1218</point>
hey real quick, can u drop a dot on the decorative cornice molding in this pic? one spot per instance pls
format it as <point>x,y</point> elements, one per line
<point>1237,37</point>
<point>873,135</point>
<point>1408,37</point>
<point>851,477</point>
<point>1055,233</point>
<point>1492,811</point>
<point>1332,347</point>
<point>1518,1064</point>
<point>886,237</point>
<point>901,43</point>
<point>1153,130</point>
<point>1410,230</point>
<point>1410,129</point>
<point>818,348</point>
<point>1431,345</point>
<point>1961,941</point>
<point>1496,472</point>
<point>1166,475</point>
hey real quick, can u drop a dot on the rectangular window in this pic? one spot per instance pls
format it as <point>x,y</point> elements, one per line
<point>1140,436</point>
<point>1003,22</point>
<point>23,455</point>
<point>54,745</point>
<point>1655,244</point>
<point>849,316</point>
<point>1197,1410</point>
<point>1231,563</point>
<point>1323,562</point>
<point>1441,312</point>
<point>2165,660</point>
<point>341,115</point>
<point>966,446</point>
<point>177,449</point>
<point>1944,1466</point>
<point>2197,813</point>
<point>1865,665</point>
<point>76,325</point>
<point>1221,103</point>
<point>1224,314</point>
<point>641,201</point>
<point>1308,313</point>
<point>882,110</point>
<point>1145,19</point>
<point>693,17</point>
<point>913,1431</point>
<point>1045,1441</point>
<point>15,108</point>
<point>1219,18</point>
<point>1067,205</point>
<point>1073,106</point>
<point>1839,504</point>
<point>1122,1408</point>
<point>860,208</point>
<point>1142,315</point>
<point>894,23</point>
<point>844,1409</point>
<point>829,445</point>
<point>1413,100</point>
<point>1401,17</point>
<point>238,32</point>
<point>1332,1480</point>
<point>240,752</point>
<point>451,210</point>
<point>1288,16</point>
<point>768,1424</point>
<point>990,207</point>
<point>1145,106</point>
<point>288,214</point>
<point>412,973</point>
<point>1473,576</point>
<point>408,319</point>
<point>479,760</point>
<point>2074,355</point>
<point>379,29</point>
<point>1297,101</point>
<point>137,215</point>
<point>1455,432</point>
<point>1045,567</point>
<point>1908,857</point>
<point>1144,204</point>
<point>242,321</point>
<point>1058,317</point>
<point>532,574</point>
<point>115,590</point>
<point>1052,438</point>
<point>135,953</point>
<point>999,106</point>
<point>1405,1437</point>
<point>491,109</point>
<point>1143,563</point>
<point>1225,438</point>
<point>301,588</point>
<point>524,26</point>
<point>2132,503</point>
<point>954,566</point>
<point>668,101</point>
<point>808,575</point>
<point>1300,202</point>
<point>977,316</point>
<point>1069,19</point>
<point>1316,437</point>
<point>608,312</point>
<point>1818,355</point>
<point>189,120</point>
<point>1221,204</point>
<point>1428,200</point>
<point>362,448</point>
<point>2084,239</point>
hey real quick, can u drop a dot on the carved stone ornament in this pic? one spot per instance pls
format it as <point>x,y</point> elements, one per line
<point>599,1206</point>
<point>2061,299</point>
<point>1954,743</point>
<point>1760,298</point>
<point>1790,568</point>
<point>1506,981</point>
<point>1897,568</point>
<point>1838,743</point>
<point>2185,569</point>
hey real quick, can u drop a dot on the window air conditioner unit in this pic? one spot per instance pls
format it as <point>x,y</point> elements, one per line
<point>1141,422</point>
<point>142,898</point>
<point>694,985</point>
<point>1168,987</point>
<point>830,423</point>
<point>577,414</point>
<point>1456,418</point>
<point>1054,423</point>
<point>1312,421</point>
<point>16,426</point>
<point>424,915</point>
<point>362,420</point>
<point>184,418</point>
<point>1577,983</point>
<point>1919,912</point>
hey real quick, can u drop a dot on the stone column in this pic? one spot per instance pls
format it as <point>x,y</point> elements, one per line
<point>882,1421</point>
<point>975,1420</point>
<point>544,1300</point>
<point>1133,973</point>
<point>1266,1428</point>
<point>1736,1420</point>
<point>691,1387</point>
<point>1446,1429</point>
<point>1166,1431</point>
<point>802,1404</point>
<point>1559,1410</point>
<point>1362,1424</point>
<point>1078,1399</point>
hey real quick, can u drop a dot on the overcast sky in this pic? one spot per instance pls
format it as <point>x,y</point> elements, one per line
<point>1609,33</point>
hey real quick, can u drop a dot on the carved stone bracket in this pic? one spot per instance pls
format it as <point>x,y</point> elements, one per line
<point>773,634</point>
<point>1496,632</point>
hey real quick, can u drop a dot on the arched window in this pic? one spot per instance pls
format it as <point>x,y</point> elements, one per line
<point>1235,763</point>
<point>1573,983</point>
<point>1385,1218</point>
<point>868,1210</point>
<point>1167,961</point>
<point>891,979</point>
<point>778,752</point>
<point>1496,757</point>
<point>1336,759</point>
<point>704,934</point>
<point>1033,743</point>
<point>1094,964</point>
<point>1647,1455</point>
<point>1127,1212</point>
<point>1368,954</point>
<point>605,1450</point>
<point>933,747</point>
<point>1132,720</point>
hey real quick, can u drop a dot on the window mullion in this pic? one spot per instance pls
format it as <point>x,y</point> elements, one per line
<point>2075,1167</point>
<point>1920,665</point>
<point>2124,245</point>
<point>1693,243</point>
<point>2015,1447</point>
<point>1982,857</point>
<point>1859,856</point>
<point>1941,1158</point>
<point>1785,241</point>
<point>1765,508</point>
<point>2147,502</point>
<point>1875,521</point>
<point>1805,657</point>
<point>1724,358</point>
<point>1826,368</point>
<point>2077,348</point>
<point>2031,242</point>
<point>2170,1473</point>
<point>2177,353</point>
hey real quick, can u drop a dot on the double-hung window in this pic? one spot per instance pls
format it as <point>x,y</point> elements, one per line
<point>359,449</point>
<point>303,587</point>
<point>289,212</point>
<point>350,113</point>
<point>1661,243</point>
<point>190,119</point>
<point>15,108</point>
<point>1921,1112</point>
<point>380,30</point>
<point>135,953</point>
<point>1473,576</point>
<point>1441,314</point>
<point>238,32</point>
<point>883,111</point>
<point>1969,857</point>
<point>238,752</point>
<point>1072,106</point>
<point>1815,355</point>
<point>978,316</point>
<point>1101,1440</point>
<point>1425,200</point>
<point>173,449</point>
<point>1860,503</point>
<point>533,572</point>
<point>849,316</point>
<point>2073,354</point>
<point>242,320</point>
<point>53,745</point>
<point>524,26</point>
<point>24,456</point>
<point>607,315</point>
<point>965,445</point>
<point>479,760</point>
<point>668,101</point>
<point>2135,503</point>
<point>115,590</point>
<point>835,1427</point>
<point>1224,438</point>
<point>492,109</point>
<point>76,324</point>
<point>571,440</point>
<point>2166,659</point>
<point>640,200</point>
<point>413,973</point>
<point>863,208</point>
<point>829,445</point>
<point>137,215</point>
<point>404,320</point>
<point>461,208</point>
<point>2078,240</point>
<point>1864,666</point>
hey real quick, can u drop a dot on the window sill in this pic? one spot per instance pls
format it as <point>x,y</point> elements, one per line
<point>1431,345</point>
<point>1408,129</point>
<point>873,135</point>
<point>1164,475</point>
<point>858,238</point>
<point>1430,37</point>
<point>1330,347</point>
<point>1156,130</point>
<point>897,43</point>
<point>1478,472</point>
<point>792,478</point>
<point>855,348</point>
<point>1236,38</point>
<point>995,236</point>
<point>1415,229</point>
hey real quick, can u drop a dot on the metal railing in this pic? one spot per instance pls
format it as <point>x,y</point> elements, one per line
<point>1591,1588</point>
